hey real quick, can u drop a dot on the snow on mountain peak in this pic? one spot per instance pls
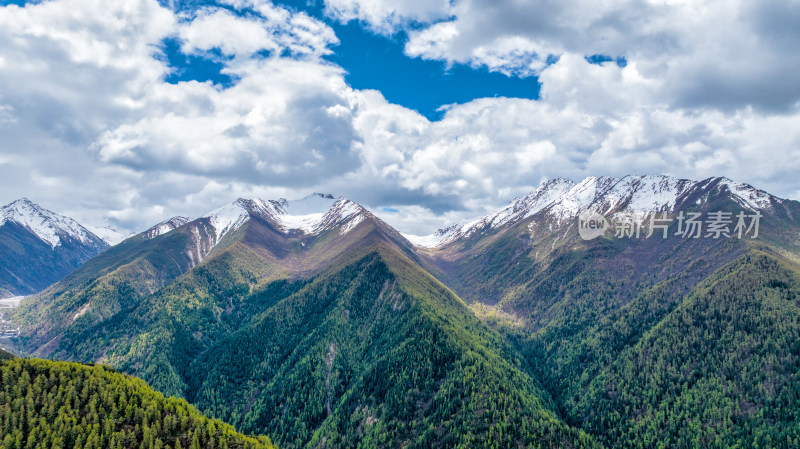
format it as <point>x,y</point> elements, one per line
<point>747,195</point>
<point>108,234</point>
<point>642,194</point>
<point>47,225</point>
<point>563,200</point>
<point>165,226</point>
<point>318,212</point>
<point>517,209</point>
<point>344,214</point>
<point>231,217</point>
<point>311,215</point>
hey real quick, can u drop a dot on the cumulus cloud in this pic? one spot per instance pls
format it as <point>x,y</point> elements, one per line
<point>385,16</point>
<point>90,127</point>
<point>90,109</point>
<point>712,53</point>
<point>284,122</point>
<point>266,28</point>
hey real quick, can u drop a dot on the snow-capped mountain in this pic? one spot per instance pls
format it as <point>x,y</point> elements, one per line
<point>165,226</point>
<point>48,226</point>
<point>109,234</point>
<point>563,200</point>
<point>310,215</point>
<point>38,247</point>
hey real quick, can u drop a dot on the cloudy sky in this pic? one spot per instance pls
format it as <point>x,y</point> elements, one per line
<point>126,112</point>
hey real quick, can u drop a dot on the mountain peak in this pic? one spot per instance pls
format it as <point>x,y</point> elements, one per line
<point>310,215</point>
<point>165,226</point>
<point>108,234</point>
<point>22,206</point>
<point>319,212</point>
<point>517,209</point>
<point>230,217</point>
<point>562,200</point>
<point>49,226</point>
<point>23,201</point>
<point>744,194</point>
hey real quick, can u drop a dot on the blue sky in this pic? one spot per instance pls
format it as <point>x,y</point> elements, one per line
<point>374,61</point>
<point>127,112</point>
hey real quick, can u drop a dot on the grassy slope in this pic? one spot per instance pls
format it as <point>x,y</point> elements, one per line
<point>49,404</point>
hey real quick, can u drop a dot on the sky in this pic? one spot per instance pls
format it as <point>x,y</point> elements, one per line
<point>428,112</point>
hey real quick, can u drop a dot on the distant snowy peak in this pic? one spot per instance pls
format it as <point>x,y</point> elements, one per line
<point>231,217</point>
<point>319,212</point>
<point>523,207</point>
<point>647,194</point>
<point>310,215</point>
<point>563,200</point>
<point>632,193</point>
<point>48,226</point>
<point>108,234</point>
<point>165,226</point>
<point>745,194</point>
<point>344,215</point>
<point>517,209</point>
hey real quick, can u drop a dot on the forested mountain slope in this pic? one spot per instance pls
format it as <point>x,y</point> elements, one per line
<point>377,354</point>
<point>331,339</point>
<point>721,370</point>
<point>329,329</point>
<point>47,404</point>
<point>647,341</point>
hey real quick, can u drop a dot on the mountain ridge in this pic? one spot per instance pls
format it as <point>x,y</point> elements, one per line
<point>564,199</point>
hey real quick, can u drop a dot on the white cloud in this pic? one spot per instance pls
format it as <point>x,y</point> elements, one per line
<point>94,117</point>
<point>97,132</point>
<point>433,42</point>
<point>592,120</point>
<point>231,34</point>
<point>385,15</point>
<point>725,54</point>
<point>282,123</point>
<point>266,27</point>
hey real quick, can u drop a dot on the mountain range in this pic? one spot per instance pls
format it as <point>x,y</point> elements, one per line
<point>316,323</point>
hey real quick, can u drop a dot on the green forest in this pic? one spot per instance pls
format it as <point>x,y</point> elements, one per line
<point>62,405</point>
